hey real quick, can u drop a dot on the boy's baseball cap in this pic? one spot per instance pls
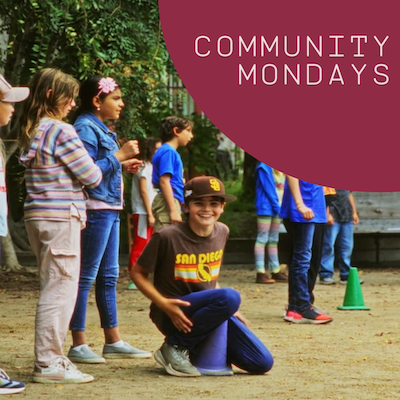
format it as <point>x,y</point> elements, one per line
<point>204,186</point>
<point>11,94</point>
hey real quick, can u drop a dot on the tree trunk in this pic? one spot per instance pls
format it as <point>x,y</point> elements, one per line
<point>249,181</point>
<point>9,256</point>
<point>18,234</point>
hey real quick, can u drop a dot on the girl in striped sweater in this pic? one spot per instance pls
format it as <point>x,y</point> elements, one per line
<point>57,168</point>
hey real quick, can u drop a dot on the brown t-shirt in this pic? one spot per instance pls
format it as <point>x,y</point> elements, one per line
<point>183,262</point>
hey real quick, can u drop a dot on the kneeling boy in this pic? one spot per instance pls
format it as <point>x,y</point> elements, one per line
<point>187,303</point>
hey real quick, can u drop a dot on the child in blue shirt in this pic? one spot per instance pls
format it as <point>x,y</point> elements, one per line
<point>268,222</point>
<point>168,171</point>
<point>303,206</point>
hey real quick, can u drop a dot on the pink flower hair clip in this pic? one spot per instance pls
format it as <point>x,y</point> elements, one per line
<point>106,86</point>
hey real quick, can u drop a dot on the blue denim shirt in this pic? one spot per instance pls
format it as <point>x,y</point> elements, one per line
<point>101,145</point>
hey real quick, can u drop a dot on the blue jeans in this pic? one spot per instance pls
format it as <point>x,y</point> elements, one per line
<point>100,248</point>
<point>302,235</point>
<point>340,233</point>
<point>208,310</point>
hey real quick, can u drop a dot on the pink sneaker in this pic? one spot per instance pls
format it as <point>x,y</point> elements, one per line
<point>292,316</point>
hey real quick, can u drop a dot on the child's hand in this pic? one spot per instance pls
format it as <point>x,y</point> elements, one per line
<point>175,216</point>
<point>172,307</point>
<point>356,218</point>
<point>129,150</point>
<point>151,220</point>
<point>306,212</point>
<point>331,220</point>
<point>242,318</point>
<point>132,166</point>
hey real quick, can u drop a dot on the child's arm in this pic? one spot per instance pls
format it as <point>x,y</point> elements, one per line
<point>172,307</point>
<point>329,216</point>
<point>146,200</point>
<point>294,186</point>
<point>356,218</point>
<point>166,189</point>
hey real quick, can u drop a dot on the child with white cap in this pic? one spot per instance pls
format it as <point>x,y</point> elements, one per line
<point>8,96</point>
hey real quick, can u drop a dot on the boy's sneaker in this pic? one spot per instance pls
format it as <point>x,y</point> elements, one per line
<point>327,281</point>
<point>343,281</point>
<point>61,370</point>
<point>318,311</point>
<point>175,360</point>
<point>263,278</point>
<point>312,317</point>
<point>8,386</point>
<point>125,351</point>
<point>279,277</point>
<point>85,356</point>
<point>291,315</point>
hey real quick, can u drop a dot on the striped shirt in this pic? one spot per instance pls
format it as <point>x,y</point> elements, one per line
<point>58,166</point>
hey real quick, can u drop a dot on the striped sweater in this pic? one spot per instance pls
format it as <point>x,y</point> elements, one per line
<point>58,166</point>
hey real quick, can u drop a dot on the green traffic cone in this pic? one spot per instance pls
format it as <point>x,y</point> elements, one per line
<point>353,298</point>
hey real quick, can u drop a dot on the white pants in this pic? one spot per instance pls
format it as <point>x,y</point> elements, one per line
<point>57,246</point>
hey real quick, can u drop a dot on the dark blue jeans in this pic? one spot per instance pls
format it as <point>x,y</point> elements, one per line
<point>341,234</point>
<point>100,249</point>
<point>302,237</point>
<point>208,310</point>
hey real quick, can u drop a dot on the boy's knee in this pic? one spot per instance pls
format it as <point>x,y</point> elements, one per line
<point>264,363</point>
<point>232,299</point>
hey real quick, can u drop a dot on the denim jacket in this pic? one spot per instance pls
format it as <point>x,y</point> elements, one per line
<point>101,145</point>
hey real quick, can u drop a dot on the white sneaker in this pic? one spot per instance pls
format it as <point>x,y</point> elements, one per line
<point>61,370</point>
<point>125,351</point>
<point>8,386</point>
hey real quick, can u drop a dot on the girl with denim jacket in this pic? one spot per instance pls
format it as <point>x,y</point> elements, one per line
<point>101,100</point>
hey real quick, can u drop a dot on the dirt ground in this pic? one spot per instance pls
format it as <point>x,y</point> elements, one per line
<point>357,356</point>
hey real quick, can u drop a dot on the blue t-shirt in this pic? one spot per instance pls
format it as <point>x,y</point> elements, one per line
<point>267,202</point>
<point>167,160</point>
<point>313,197</point>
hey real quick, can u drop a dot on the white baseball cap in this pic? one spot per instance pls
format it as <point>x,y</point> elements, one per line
<point>11,94</point>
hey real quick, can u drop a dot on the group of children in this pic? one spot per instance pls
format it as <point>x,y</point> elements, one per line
<point>74,181</point>
<point>319,223</point>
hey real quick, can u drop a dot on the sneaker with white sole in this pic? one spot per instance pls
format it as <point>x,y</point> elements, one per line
<point>310,316</point>
<point>61,371</point>
<point>291,315</point>
<point>125,351</point>
<point>318,311</point>
<point>175,360</point>
<point>8,386</point>
<point>327,281</point>
<point>85,356</point>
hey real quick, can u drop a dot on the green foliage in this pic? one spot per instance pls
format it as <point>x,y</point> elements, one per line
<point>121,38</point>
<point>118,38</point>
<point>239,215</point>
<point>199,156</point>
